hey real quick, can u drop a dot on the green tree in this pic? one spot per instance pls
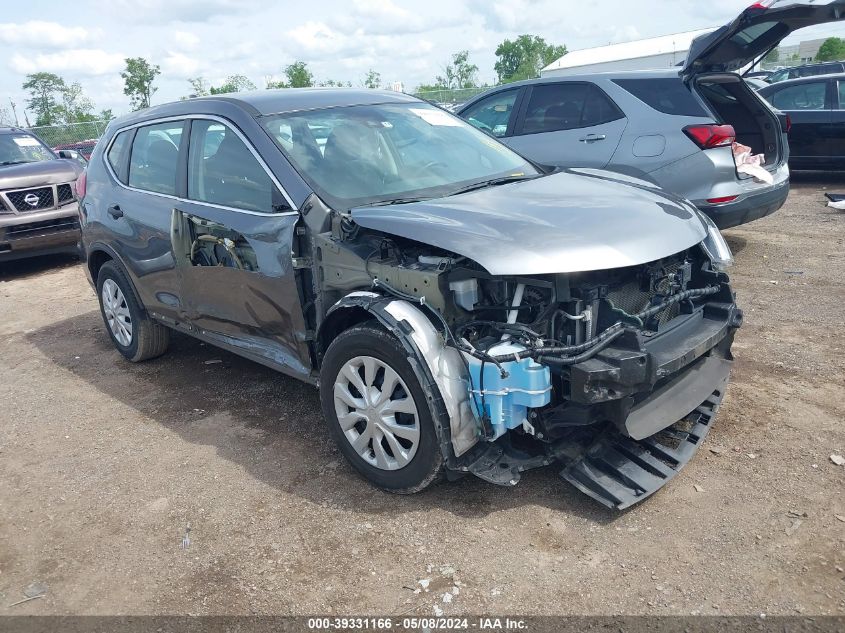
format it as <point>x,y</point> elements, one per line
<point>138,80</point>
<point>832,49</point>
<point>105,115</point>
<point>773,56</point>
<point>45,91</point>
<point>199,86</point>
<point>460,73</point>
<point>298,76</point>
<point>76,107</point>
<point>332,83</point>
<point>524,57</point>
<point>233,83</point>
<point>372,80</point>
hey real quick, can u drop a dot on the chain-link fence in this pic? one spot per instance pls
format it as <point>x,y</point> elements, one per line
<point>450,96</point>
<point>86,133</point>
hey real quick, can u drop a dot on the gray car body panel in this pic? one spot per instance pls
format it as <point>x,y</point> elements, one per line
<point>561,223</point>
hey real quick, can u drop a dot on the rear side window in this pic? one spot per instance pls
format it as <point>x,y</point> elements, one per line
<point>807,96</point>
<point>842,95</point>
<point>668,95</point>
<point>567,106</point>
<point>155,157</point>
<point>117,153</point>
<point>222,170</point>
<point>492,114</point>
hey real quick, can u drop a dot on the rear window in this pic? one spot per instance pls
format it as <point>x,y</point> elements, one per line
<point>669,95</point>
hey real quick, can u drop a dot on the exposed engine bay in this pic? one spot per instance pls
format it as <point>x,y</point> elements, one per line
<point>548,364</point>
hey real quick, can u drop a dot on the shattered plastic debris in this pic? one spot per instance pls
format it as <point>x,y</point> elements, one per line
<point>698,488</point>
<point>437,611</point>
<point>838,460</point>
<point>447,598</point>
<point>751,164</point>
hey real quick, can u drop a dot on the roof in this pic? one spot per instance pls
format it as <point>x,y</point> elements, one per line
<point>802,80</point>
<point>675,43</point>
<point>264,102</point>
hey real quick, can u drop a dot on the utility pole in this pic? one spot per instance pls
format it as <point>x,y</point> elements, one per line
<point>15,112</point>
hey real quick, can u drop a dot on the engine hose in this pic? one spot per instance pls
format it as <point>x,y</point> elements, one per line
<point>574,360</point>
<point>612,332</point>
<point>681,296</point>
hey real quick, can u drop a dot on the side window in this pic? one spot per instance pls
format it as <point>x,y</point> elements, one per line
<point>842,95</point>
<point>117,153</point>
<point>807,96</point>
<point>567,106</point>
<point>493,113</point>
<point>667,95</point>
<point>222,170</point>
<point>155,157</point>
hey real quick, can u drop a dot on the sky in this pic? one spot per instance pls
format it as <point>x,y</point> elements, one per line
<point>88,40</point>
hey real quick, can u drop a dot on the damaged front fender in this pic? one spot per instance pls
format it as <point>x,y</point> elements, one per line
<point>440,369</point>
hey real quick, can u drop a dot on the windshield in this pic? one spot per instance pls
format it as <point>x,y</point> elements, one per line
<point>360,155</point>
<point>22,148</point>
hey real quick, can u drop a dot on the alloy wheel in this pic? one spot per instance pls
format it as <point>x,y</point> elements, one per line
<point>117,312</point>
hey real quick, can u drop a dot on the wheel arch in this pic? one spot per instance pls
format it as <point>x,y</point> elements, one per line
<point>438,368</point>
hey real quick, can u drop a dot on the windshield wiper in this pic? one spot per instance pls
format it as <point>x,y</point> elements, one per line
<point>385,203</point>
<point>14,162</point>
<point>492,183</point>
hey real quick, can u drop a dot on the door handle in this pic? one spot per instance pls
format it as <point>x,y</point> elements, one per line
<point>592,138</point>
<point>115,212</point>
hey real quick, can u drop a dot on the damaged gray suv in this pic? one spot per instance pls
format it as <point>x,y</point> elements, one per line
<point>460,309</point>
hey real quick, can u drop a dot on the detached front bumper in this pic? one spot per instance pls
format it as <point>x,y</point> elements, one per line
<point>645,383</point>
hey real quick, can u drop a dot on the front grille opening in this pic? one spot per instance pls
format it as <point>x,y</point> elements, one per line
<point>32,199</point>
<point>64,193</point>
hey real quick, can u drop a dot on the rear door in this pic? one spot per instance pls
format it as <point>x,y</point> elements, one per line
<point>138,213</point>
<point>233,237</point>
<point>808,105</point>
<point>567,124</point>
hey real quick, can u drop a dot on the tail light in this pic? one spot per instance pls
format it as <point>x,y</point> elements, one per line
<point>710,136</point>
<point>722,200</point>
<point>81,183</point>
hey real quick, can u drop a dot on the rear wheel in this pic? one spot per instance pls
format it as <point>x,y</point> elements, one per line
<point>132,332</point>
<point>377,411</point>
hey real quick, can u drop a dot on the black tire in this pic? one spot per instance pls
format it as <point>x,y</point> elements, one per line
<point>149,339</point>
<point>427,465</point>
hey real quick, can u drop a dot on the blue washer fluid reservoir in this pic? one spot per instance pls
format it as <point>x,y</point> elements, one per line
<point>507,400</point>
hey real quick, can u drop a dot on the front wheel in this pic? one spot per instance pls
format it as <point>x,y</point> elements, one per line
<point>377,411</point>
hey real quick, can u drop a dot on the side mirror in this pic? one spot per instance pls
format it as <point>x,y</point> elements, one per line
<point>72,154</point>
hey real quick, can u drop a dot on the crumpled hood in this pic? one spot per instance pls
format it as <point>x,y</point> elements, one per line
<point>45,172</point>
<point>562,223</point>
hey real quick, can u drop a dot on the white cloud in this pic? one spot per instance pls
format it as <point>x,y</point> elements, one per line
<point>43,34</point>
<point>180,66</point>
<point>82,61</point>
<point>185,40</point>
<point>158,11</point>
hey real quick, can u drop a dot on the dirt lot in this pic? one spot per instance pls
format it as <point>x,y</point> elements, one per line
<point>104,464</point>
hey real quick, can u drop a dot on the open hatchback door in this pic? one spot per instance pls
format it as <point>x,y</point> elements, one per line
<point>755,32</point>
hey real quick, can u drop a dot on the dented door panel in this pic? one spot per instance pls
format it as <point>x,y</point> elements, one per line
<point>247,297</point>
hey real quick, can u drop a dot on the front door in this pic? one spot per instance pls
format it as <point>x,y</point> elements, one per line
<point>233,239</point>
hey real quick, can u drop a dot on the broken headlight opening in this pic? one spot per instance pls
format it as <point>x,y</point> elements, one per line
<point>611,369</point>
<point>715,245</point>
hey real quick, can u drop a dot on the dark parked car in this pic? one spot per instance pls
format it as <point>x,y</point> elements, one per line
<point>807,70</point>
<point>38,208</point>
<point>816,109</point>
<point>673,128</point>
<point>461,310</point>
<point>83,147</point>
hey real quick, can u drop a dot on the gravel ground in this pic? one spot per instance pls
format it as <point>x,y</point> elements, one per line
<point>104,465</point>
